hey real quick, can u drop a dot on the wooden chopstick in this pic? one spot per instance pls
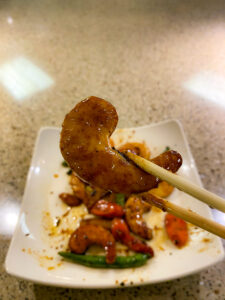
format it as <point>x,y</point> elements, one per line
<point>185,214</point>
<point>178,181</point>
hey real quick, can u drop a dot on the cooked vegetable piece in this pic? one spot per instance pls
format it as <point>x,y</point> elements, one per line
<point>87,235</point>
<point>106,209</point>
<point>120,199</point>
<point>69,172</point>
<point>70,199</point>
<point>65,164</point>
<point>121,233</point>
<point>177,230</point>
<point>98,261</point>
<point>167,148</point>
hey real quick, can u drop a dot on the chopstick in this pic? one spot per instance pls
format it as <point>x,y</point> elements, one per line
<point>185,214</point>
<point>178,181</point>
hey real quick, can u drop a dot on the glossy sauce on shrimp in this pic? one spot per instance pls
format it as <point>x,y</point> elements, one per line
<point>85,146</point>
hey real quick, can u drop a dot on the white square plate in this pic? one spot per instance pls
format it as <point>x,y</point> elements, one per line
<point>32,257</point>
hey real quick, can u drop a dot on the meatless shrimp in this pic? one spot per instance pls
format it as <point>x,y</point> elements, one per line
<point>134,209</point>
<point>86,193</point>
<point>85,146</point>
<point>87,235</point>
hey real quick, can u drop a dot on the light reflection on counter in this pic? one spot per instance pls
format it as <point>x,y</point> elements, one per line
<point>10,20</point>
<point>9,212</point>
<point>22,78</point>
<point>208,85</point>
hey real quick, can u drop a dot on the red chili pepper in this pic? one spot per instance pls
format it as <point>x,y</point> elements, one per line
<point>177,230</point>
<point>107,209</point>
<point>121,233</point>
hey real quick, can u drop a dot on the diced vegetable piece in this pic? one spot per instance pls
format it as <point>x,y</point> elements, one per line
<point>120,199</point>
<point>177,230</point>
<point>97,261</point>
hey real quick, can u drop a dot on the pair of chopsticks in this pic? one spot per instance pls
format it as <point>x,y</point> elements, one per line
<point>187,187</point>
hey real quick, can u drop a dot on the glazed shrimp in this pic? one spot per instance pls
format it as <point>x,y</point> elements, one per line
<point>134,209</point>
<point>87,235</point>
<point>85,146</point>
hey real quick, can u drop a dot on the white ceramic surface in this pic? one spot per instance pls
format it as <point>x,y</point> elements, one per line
<point>31,257</point>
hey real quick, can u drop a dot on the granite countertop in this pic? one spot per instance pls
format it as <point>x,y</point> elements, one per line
<point>153,59</point>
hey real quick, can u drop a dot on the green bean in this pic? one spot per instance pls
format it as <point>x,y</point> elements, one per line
<point>120,199</point>
<point>99,261</point>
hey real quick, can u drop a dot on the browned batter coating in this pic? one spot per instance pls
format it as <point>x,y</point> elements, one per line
<point>134,209</point>
<point>86,193</point>
<point>70,199</point>
<point>137,148</point>
<point>85,146</point>
<point>97,221</point>
<point>87,235</point>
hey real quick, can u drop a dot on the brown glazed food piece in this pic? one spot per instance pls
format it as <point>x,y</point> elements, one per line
<point>85,146</point>
<point>107,224</point>
<point>70,199</point>
<point>89,234</point>
<point>122,234</point>
<point>137,148</point>
<point>135,207</point>
<point>88,195</point>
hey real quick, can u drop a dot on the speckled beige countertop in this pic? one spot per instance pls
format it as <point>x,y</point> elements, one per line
<point>152,59</point>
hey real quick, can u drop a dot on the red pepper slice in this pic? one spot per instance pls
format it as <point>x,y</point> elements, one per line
<point>106,209</point>
<point>177,230</point>
<point>121,233</point>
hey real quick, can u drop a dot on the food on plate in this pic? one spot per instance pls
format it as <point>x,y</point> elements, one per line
<point>97,221</point>
<point>177,230</point>
<point>99,261</point>
<point>121,233</point>
<point>107,209</point>
<point>163,190</point>
<point>113,189</point>
<point>135,207</point>
<point>70,199</point>
<point>87,235</point>
<point>114,214</point>
<point>88,195</point>
<point>137,148</point>
<point>85,146</point>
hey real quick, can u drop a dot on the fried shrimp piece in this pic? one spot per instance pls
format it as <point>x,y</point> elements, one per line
<point>86,193</point>
<point>87,235</point>
<point>134,209</point>
<point>137,148</point>
<point>107,224</point>
<point>70,199</point>
<point>163,190</point>
<point>122,234</point>
<point>85,145</point>
<point>77,186</point>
